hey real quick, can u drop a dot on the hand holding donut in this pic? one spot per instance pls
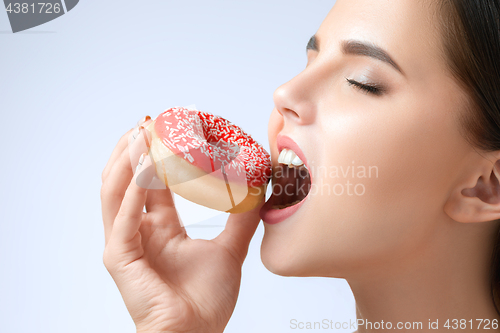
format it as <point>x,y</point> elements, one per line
<point>169,282</point>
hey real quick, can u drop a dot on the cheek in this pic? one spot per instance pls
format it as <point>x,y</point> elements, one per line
<point>411,152</point>
<point>382,179</point>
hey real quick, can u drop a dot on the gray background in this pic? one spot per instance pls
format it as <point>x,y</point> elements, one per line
<point>71,87</point>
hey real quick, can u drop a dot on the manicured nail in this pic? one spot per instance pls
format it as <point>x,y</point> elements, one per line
<point>136,132</point>
<point>145,136</point>
<point>141,161</point>
<point>143,120</point>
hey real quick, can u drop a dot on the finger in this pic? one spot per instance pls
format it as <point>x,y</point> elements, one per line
<point>160,205</point>
<point>116,183</point>
<point>129,217</point>
<point>159,201</point>
<point>113,189</point>
<point>122,143</point>
<point>239,231</point>
<point>139,142</point>
<point>117,151</point>
<point>162,222</point>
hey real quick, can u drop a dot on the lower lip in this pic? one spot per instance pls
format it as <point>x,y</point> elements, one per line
<point>271,215</point>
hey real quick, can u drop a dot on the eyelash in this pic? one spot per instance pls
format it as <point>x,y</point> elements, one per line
<point>368,88</point>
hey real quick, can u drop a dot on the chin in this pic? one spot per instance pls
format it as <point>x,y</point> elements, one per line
<point>282,257</point>
<point>288,253</point>
<point>279,267</point>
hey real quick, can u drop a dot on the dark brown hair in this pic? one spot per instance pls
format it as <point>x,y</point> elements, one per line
<point>471,41</point>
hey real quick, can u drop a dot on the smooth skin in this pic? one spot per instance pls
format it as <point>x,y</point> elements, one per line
<point>169,282</point>
<point>415,246</point>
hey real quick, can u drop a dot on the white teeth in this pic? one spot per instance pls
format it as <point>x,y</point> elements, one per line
<point>282,155</point>
<point>297,161</point>
<point>288,157</point>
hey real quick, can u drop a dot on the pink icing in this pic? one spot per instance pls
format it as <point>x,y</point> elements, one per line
<point>213,143</point>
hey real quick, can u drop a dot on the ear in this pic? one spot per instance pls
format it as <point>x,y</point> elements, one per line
<point>479,202</point>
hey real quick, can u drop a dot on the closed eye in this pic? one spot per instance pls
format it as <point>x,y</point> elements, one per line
<point>374,89</point>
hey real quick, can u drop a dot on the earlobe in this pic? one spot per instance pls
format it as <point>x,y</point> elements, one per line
<point>479,202</point>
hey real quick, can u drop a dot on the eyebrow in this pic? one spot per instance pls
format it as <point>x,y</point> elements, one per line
<point>355,47</point>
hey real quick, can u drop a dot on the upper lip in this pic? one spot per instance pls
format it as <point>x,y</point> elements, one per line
<point>286,142</point>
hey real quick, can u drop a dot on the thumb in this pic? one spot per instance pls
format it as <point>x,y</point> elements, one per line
<point>238,232</point>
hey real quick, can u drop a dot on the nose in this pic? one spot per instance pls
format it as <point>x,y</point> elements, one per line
<point>295,99</point>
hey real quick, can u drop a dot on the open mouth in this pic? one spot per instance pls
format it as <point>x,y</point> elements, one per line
<point>291,181</point>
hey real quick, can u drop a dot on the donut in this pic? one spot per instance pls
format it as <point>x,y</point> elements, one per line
<point>208,160</point>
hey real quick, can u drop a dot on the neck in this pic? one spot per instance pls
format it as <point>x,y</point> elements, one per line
<point>447,278</point>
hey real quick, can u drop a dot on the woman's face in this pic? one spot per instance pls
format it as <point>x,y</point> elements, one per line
<point>401,136</point>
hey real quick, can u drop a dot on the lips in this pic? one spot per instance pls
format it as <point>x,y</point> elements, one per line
<point>284,141</point>
<point>291,182</point>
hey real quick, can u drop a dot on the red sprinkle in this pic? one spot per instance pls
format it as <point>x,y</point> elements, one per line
<point>213,143</point>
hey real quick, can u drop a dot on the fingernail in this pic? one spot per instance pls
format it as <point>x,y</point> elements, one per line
<point>141,161</point>
<point>145,135</point>
<point>136,132</point>
<point>143,120</point>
